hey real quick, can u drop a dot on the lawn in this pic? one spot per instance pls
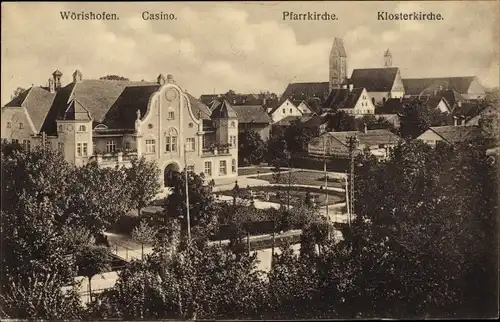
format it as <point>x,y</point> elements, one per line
<point>305,178</point>
<point>296,194</point>
<point>254,170</point>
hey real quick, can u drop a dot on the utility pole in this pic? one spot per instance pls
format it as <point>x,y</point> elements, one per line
<point>353,144</point>
<point>187,194</point>
<point>326,178</point>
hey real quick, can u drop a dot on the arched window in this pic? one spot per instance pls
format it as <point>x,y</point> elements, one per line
<point>373,100</point>
<point>383,100</point>
<point>82,128</point>
<point>171,140</point>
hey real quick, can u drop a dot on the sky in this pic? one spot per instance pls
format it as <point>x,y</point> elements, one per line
<point>243,46</point>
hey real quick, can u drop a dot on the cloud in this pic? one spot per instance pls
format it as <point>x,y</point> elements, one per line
<point>246,47</point>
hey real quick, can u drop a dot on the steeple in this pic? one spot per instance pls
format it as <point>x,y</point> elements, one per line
<point>338,64</point>
<point>387,59</point>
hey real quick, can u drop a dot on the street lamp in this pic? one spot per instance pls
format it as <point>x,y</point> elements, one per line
<point>187,193</point>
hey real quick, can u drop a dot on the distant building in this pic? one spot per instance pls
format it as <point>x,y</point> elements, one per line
<point>353,101</point>
<point>255,118</point>
<point>468,87</point>
<point>452,134</point>
<point>288,108</point>
<point>387,59</point>
<point>111,122</point>
<point>378,142</point>
<point>380,83</point>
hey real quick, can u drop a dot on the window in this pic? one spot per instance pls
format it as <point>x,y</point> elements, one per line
<point>15,141</point>
<point>190,144</point>
<point>60,128</point>
<point>127,145</point>
<point>233,124</point>
<point>222,168</point>
<point>233,165</point>
<point>150,146</point>
<point>81,149</point>
<point>9,125</point>
<point>82,128</point>
<point>171,115</point>
<point>373,100</point>
<point>284,111</point>
<point>208,168</point>
<point>290,111</point>
<point>110,146</point>
<point>232,140</point>
<point>190,168</point>
<point>60,147</point>
<point>27,145</point>
<point>21,125</point>
<point>171,143</point>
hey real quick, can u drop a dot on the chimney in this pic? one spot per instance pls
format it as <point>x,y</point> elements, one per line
<point>57,79</point>
<point>170,78</point>
<point>264,101</point>
<point>351,86</point>
<point>52,86</point>
<point>344,86</point>
<point>455,123</point>
<point>462,120</point>
<point>459,103</point>
<point>161,79</point>
<point>77,76</point>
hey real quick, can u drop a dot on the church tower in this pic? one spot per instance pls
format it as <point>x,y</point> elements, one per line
<point>338,64</point>
<point>387,59</point>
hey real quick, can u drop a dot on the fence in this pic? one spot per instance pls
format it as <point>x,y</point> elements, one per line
<point>125,253</point>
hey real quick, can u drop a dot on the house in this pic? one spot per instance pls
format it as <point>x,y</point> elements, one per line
<point>304,107</point>
<point>255,118</point>
<point>452,134</point>
<point>110,122</point>
<point>336,144</point>
<point>285,109</point>
<point>468,87</point>
<point>380,83</point>
<point>354,101</point>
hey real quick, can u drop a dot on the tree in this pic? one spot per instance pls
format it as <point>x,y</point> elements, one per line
<point>92,260</point>
<point>114,77</point>
<point>202,206</point>
<point>374,123</point>
<point>417,117</point>
<point>340,121</point>
<point>143,177</point>
<point>251,148</point>
<point>97,197</point>
<point>298,136</point>
<point>278,153</point>
<point>144,234</point>
<point>426,233</point>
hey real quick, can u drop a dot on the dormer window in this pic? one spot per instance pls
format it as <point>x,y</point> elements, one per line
<point>82,128</point>
<point>60,128</point>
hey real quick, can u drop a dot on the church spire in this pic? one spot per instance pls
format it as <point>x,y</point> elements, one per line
<point>338,64</point>
<point>387,59</point>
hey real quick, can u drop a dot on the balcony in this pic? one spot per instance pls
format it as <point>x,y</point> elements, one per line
<point>214,150</point>
<point>113,158</point>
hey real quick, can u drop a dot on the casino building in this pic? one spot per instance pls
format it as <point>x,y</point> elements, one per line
<point>111,122</point>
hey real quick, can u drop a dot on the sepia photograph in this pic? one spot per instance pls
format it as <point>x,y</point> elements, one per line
<point>250,160</point>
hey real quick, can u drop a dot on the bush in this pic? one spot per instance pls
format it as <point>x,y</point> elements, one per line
<point>125,224</point>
